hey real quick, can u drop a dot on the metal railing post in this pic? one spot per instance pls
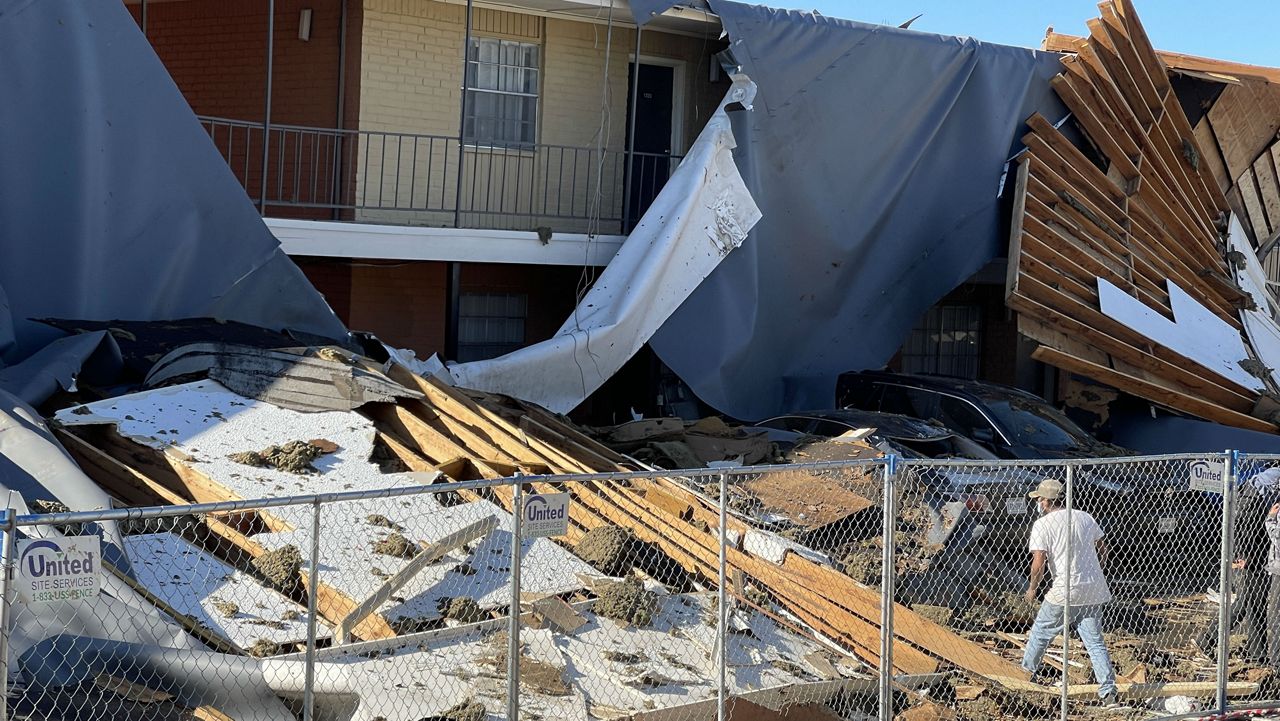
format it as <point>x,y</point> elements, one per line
<point>1066,601</point>
<point>722,606</point>
<point>1230,471</point>
<point>887,579</point>
<point>631,136</point>
<point>513,628</point>
<point>313,583</point>
<point>6,603</point>
<point>462,120</point>
<point>266,113</point>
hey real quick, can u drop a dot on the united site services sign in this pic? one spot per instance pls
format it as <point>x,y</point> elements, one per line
<point>545,515</point>
<point>1206,476</point>
<point>62,569</point>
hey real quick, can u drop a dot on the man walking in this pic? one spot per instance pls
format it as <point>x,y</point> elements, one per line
<point>1084,592</point>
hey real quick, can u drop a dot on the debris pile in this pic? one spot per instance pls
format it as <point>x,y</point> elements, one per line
<point>293,457</point>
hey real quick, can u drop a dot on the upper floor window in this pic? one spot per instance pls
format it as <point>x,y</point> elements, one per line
<point>502,92</point>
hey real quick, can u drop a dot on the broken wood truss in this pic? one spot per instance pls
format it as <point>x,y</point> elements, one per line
<point>472,436</point>
<point>662,512</point>
<point>1149,226</point>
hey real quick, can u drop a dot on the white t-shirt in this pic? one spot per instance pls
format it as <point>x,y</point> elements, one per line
<point>1049,534</point>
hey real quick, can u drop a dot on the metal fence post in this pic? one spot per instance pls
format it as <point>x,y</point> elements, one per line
<point>1230,470</point>
<point>513,628</point>
<point>6,602</point>
<point>722,606</point>
<point>313,583</point>
<point>887,578</point>
<point>1066,601</point>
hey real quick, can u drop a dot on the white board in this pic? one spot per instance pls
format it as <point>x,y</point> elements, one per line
<point>1195,332</point>
<point>1259,324</point>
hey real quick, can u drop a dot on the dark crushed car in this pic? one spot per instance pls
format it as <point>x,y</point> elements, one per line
<point>1144,507</point>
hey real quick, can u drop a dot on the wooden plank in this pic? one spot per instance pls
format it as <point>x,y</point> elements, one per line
<point>463,434</point>
<point>1264,173</point>
<point>1041,332</point>
<point>798,573</point>
<point>1086,691</point>
<point>1094,318</point>
<point>1139,277</point>
<point>1194,284</point>
<point>1130,354</point>
<point>1247,185</point>
<point>1079,175</point>
<point>1056,277</point>
<point>431,443</point>
<point>1123,45</point>
<point>114,476</point>
<point>908,625</point>
<point>1212,154</point>
<point>1097,128</point>
<point>429,554</point>
<point>1174,125</point>
<point>1151,391</point>
<point>1015,229</point>
<point>1104,48</point>
<point>465,411</point>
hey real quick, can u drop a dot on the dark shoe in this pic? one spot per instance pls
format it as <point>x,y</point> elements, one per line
<point>1110,700</point>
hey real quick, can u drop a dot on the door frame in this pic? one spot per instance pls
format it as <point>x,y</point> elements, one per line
<point>677,96</point>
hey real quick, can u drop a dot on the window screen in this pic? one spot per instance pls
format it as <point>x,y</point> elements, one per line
<point>502,92</point>
<point>490,324</point>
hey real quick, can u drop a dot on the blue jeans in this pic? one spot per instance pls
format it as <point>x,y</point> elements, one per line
<point>1088,623</point>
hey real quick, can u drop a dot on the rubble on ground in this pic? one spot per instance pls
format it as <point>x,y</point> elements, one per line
<point>293,457</point>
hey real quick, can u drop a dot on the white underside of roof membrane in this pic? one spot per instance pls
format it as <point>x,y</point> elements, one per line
<point>206,423</point>
<point>613,670</point>
<point>1196,332</point>
<point>1259,324</point>
<point>192,582</point>
<point>700,216</point>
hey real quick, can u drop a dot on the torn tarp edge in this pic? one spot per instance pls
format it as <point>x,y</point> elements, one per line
<point>701,215</point>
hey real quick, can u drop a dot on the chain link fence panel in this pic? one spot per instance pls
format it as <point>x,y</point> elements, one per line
<point>644,596</point>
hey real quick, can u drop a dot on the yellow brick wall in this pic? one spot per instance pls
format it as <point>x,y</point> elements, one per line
<point>410,83</point>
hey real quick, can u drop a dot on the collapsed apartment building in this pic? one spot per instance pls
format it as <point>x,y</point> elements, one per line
<point>1136,188</point>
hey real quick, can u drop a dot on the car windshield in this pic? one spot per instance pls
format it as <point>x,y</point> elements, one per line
<point>1038,424</point>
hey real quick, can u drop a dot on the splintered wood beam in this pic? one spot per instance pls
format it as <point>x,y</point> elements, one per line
<point>1151,391</point>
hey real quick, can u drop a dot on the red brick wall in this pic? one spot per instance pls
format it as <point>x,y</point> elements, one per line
<point>403,303</point>
<point>332,277</point>
<point>216,53</point>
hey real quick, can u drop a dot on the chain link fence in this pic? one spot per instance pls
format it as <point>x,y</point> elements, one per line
<point>746,592</point>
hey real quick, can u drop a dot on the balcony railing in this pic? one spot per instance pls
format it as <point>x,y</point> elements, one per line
<point>410,179</point>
